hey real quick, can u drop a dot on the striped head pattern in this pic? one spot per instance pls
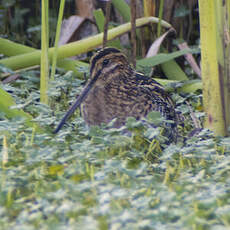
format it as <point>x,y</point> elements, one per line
<point>107,61</point>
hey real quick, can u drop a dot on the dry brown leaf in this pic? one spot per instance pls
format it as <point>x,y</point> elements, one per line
<point>11,78</point>
<point>154,48</point>
<point>190,59</point>
<point>85,8</point>
<point>69,27</point>
<point>168,9</point>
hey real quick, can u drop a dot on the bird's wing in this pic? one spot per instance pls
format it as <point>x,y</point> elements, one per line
<point>155,87</point>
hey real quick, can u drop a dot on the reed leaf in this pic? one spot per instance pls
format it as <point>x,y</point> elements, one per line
<point>75,48</point>
<point>57,37</point>
<point>214,24</point>
<point>44,73</point>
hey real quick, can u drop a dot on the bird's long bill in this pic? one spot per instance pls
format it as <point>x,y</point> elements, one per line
<point>76,104</point>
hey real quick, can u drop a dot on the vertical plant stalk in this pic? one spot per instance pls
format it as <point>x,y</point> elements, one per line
<point>44,53</point>
<point>149,7</point>
<point>133,32</point>
<point>4,152</point>
<point>57,37</point>
<point>146,32</point>
<point>214,21</point>
<point>160,17</point>
<point>108,7</point>
<point>225,35</point>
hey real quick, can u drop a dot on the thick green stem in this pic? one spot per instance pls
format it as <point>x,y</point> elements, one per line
<point>10,48</point>
<point>58,31</point>
<point>160,18</point>
<point>214,26</point>
<point>44,72</point>
<point>75,48</point>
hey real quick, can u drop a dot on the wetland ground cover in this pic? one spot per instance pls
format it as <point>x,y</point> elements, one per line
<point>100,178</point>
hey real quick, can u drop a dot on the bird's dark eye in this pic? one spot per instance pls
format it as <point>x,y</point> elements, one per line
<point>105,62</point>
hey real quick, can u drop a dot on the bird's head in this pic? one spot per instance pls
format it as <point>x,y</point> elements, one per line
<point>106,63</point>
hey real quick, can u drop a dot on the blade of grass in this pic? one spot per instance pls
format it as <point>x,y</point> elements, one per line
<point>44,78</point>
<point>173,71</point>
<point>123,9</point>
<point>4,152</point>
<point>57,37</point>
<point>187,86</point>
<point>100,19</point>
<point>5,106</point>
<point>190,86</point>
<point>160,18</point>
<point>163,57</point>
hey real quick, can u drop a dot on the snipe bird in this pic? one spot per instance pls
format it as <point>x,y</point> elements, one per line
<point>116,90</point>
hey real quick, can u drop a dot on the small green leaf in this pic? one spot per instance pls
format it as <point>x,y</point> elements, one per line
<point>7,102</point>
<point>123,8</point>
<point>173,71</point>
<point>155,117</point>
<point>163,57</point>
<point>100,19</point>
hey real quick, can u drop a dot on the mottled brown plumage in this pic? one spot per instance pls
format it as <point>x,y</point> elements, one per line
<point>116,90</point>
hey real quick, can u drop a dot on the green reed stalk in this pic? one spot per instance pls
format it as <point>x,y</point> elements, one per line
<point>215,60</point>
<point>10,48</point>
<point>160,18</point>
<point>58,31</point>
<point>44,53</point>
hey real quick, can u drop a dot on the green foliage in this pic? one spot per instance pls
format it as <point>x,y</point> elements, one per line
<point>181,11</point>
<point>100,19</point>
<point>175,72</point>
<point>9,108</point>
<point>57,37</point>
<point>126,178</point>
<point>123,9</point>
<point>103,177</point>
<point>21,20</point>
